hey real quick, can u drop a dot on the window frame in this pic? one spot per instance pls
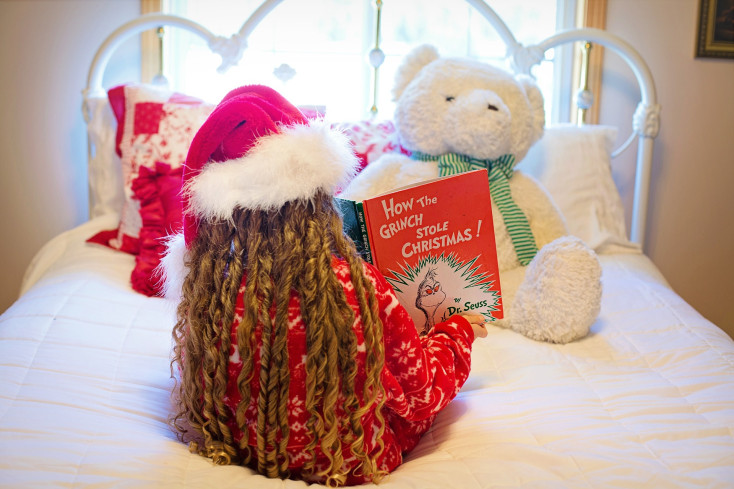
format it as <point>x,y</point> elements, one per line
<point>576,13</point>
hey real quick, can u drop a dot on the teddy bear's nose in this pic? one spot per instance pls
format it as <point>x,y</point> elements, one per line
<point>479,102</point>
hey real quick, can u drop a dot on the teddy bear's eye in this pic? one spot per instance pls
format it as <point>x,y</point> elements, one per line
<point>450,98</point>
<point>492,107</point>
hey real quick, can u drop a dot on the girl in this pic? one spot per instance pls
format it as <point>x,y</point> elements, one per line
<point>295,357</point>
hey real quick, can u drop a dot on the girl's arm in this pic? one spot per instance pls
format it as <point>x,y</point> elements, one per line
<point>422,373</point>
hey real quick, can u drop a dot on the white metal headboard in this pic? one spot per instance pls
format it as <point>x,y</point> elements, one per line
<point>646,119</point>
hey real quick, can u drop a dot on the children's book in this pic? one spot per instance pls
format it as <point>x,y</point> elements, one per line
<point>434,243</point>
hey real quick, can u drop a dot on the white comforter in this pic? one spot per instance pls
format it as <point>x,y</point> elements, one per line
<point>647,400</point>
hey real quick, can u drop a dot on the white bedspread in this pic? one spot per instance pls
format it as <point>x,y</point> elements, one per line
<point>647,400</point>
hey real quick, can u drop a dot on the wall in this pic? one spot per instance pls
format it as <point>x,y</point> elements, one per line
<point>46,47</point>
<point>690,230</point>
<point>43,191</point>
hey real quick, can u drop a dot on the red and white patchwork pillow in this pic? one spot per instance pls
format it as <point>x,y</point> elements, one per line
<point>154,126</point>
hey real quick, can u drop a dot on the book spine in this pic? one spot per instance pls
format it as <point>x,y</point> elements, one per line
<point>366,248</point>
<point>355,226</point>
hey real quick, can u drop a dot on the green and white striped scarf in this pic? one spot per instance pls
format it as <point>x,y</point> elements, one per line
<point>500,172</point>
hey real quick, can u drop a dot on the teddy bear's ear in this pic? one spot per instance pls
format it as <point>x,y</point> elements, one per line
<point>413,62</point>
<point>535,97</point>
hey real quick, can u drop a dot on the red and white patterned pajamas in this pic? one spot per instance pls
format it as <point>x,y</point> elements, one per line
<point>421,375</point>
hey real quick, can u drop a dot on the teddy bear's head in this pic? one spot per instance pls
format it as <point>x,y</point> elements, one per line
<point>452,105</point>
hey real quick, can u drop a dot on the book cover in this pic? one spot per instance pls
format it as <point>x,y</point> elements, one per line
<point>434,243</point>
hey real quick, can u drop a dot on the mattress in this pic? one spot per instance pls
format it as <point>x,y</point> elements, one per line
<point>646,400</point>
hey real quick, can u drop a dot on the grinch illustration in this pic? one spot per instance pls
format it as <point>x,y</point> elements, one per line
<point>430,296</point>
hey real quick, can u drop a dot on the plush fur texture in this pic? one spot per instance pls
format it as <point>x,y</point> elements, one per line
<point>172,269</point>
<point>293,164</point>
<point>450,105</point>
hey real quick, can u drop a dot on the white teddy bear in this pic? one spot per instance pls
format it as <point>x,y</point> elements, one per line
<point>450,110</point>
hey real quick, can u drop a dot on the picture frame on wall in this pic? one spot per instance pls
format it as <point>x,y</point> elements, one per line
<point>715,29</point>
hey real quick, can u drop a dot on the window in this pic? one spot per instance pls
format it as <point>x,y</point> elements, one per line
<point>315,53</point>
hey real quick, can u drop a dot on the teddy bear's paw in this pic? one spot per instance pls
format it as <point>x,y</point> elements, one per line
<point>560,297</point>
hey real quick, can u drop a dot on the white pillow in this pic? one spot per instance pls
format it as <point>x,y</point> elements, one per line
<point>574,164</point>
<point>105,171</point>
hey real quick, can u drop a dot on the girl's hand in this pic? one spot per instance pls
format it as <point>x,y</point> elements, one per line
<point>477,322</point>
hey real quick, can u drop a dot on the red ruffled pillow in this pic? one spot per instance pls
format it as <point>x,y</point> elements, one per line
<point>159,192</point>
<point>154,131</point>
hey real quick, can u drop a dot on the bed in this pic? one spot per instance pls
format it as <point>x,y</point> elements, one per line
<point>645,400</point>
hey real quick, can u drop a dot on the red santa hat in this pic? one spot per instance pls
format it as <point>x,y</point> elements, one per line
<point>255,151</point>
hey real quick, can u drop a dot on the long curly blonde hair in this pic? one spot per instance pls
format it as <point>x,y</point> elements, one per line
<point>289,249</point>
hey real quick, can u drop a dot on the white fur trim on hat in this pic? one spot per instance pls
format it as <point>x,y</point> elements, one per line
<point>286,166</point>
<point>172,268</point>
